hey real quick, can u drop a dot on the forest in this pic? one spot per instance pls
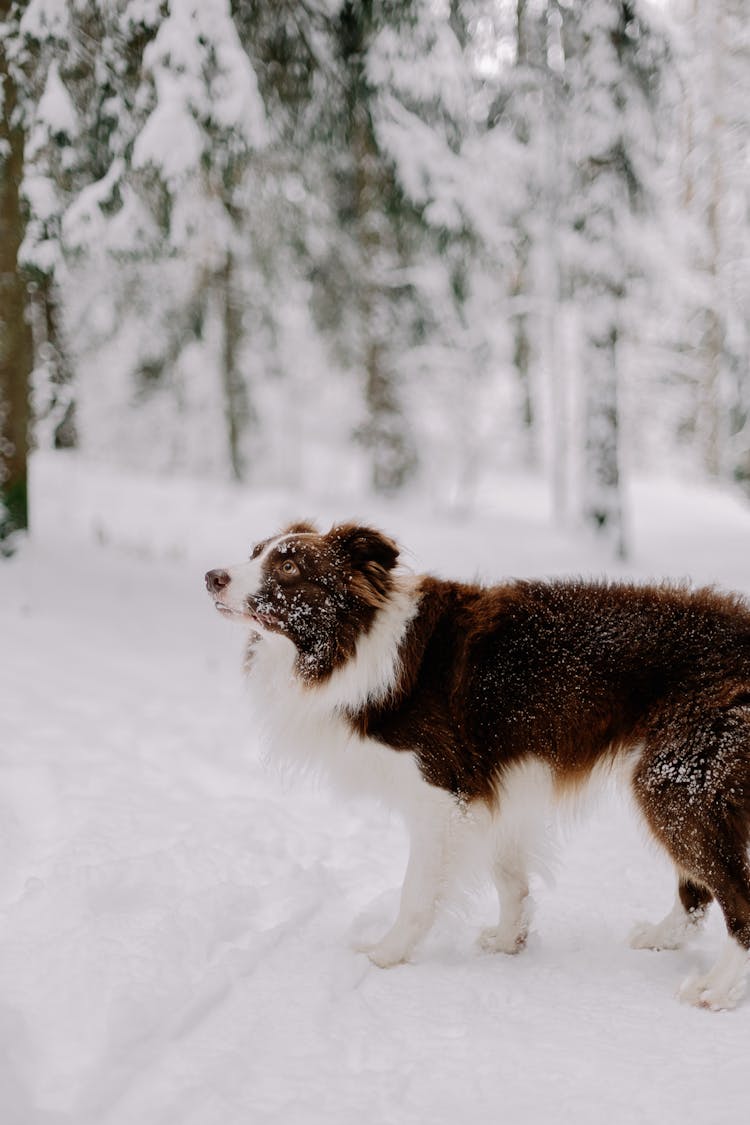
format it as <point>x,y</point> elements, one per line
<point>475,272</point>
<point>390,245</point>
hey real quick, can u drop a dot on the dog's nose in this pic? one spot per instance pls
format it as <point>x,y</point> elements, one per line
<point>216,580</point>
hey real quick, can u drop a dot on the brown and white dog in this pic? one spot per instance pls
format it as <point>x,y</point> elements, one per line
<point>471,708</point>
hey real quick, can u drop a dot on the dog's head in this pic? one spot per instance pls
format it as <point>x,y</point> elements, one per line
<point>321,591</point>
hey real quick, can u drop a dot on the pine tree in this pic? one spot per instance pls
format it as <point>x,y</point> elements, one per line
<point>716,197</point>
<point>81,65</point>
<point>420,93</point>
<point>520,108</point>
<point>360,270</point>
<point>612,73</point>
<point>206,90</point>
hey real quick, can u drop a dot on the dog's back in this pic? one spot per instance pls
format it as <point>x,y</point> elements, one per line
<point>562,671</point>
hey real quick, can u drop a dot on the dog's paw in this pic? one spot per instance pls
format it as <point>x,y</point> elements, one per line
<point>495,939</point>
<point>647,935</point>
<point>705,992</point>
<point>384,953</point>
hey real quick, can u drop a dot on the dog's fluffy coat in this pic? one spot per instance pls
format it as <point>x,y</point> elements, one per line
<point>466,707</point>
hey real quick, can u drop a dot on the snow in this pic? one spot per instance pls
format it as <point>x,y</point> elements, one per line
<point>84,220</point>
<point>172,139</point>
<point>45,17</point>
<point>55,109</point>
<point>177,921</point>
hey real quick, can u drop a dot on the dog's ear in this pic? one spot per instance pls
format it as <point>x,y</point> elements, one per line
<point>365,546</point>
<point>300,527</point>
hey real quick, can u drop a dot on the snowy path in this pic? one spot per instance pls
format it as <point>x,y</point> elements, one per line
<point>176,921</point>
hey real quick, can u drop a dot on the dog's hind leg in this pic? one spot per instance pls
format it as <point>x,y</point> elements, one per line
<point>525,795</point>
<point>693,784</point>
<point>511,881</point>
<point>724,985</point>
<point>429,827</point>
<point>684,919</point>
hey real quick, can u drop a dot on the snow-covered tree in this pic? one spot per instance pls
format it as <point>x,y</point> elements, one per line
<point>362,302</point>
<point>410,240</point>
<point>716,200</point>
<point>205,130</point>
<point>422,87</point>
<point>81,66</point>
<point>613,64</point>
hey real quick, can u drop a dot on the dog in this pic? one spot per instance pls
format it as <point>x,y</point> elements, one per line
<point>470,708</point>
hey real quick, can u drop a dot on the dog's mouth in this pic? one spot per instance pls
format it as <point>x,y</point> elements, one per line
<point>248,614</point>
<point>227,611</point>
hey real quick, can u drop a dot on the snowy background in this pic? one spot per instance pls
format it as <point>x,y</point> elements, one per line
<point>391,246</point>
<point>177,919</point>
<point>475,270</point>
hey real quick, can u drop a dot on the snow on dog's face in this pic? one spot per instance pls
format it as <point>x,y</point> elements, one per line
<point>320,591</point>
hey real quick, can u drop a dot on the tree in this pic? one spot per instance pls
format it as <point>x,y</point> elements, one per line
<point>81,69</point>
<point>415,239</point>
<point>359,269</point>
<point>716,197</point>
<point>205,88</point>
<point>145,120</point>
<point>15,333</point>
<point>419,90</point>
<point>613,64</point>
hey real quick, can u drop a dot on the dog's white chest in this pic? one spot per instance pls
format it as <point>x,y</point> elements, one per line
<point>307,731</point>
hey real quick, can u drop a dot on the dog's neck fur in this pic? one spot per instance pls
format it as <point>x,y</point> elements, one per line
<point>373,672</point>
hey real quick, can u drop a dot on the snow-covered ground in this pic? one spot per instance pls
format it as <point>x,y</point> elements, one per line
<point>176,919</point>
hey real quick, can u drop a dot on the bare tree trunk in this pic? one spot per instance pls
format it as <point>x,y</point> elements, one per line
<point>15,333</point>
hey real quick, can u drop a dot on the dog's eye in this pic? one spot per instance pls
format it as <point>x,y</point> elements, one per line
<point>288,567</point>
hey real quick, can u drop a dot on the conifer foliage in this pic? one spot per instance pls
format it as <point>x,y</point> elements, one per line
<point>388,244</point>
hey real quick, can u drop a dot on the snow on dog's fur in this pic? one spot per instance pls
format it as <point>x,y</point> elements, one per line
<point>471,709</point>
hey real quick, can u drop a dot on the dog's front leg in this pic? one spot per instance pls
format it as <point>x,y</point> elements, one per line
<point>423,883</point>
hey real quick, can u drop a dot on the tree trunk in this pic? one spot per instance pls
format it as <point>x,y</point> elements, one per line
<point>385,432</point>
<point>602,507</point>
<point>526,60</point>
<point>522,357</point>
<point>236,404</point>
<point>553,284</point>
<point>392,455</point>
<point>714,335</point>
<point>54,400</point>
<point>15,333</point>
